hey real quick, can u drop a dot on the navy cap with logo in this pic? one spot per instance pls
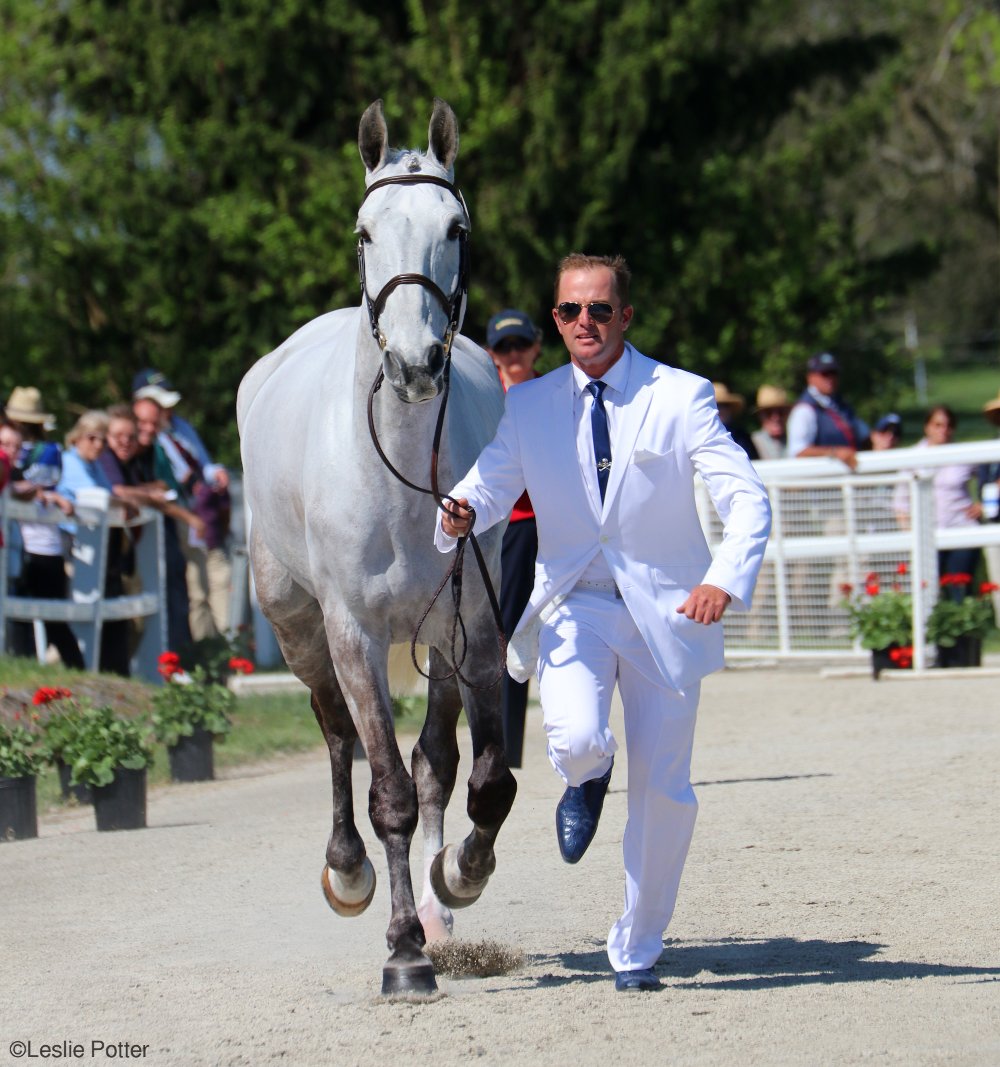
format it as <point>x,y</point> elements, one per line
<point>889,422</point>
<point>150,384</point>
<point>510,323</point>
<point>823,363</point>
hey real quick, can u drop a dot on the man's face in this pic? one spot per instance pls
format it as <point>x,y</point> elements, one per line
<point>149,417</point>
<point>824,381</point>
<point>122,439</point>
<point>592,347</point>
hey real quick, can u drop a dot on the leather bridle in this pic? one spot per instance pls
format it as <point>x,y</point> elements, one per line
<point>451,305</point>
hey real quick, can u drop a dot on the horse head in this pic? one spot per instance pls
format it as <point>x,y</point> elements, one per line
<point>412,251</point>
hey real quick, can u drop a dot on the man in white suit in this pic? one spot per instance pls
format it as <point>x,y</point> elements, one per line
<point>626,590</point>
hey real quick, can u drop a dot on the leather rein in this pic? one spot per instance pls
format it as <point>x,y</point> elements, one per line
<point>452,307</point>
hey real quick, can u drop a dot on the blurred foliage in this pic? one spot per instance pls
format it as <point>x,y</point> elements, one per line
<point>179,180</point>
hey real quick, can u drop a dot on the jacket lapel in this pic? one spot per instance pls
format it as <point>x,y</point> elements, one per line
<point>638,396</point>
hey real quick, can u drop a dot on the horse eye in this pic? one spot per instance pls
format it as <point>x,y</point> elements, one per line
<point>364,235</point>
<point>454,230</point>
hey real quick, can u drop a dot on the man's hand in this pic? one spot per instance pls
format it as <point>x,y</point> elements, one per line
<point>455,518</point>
<point>705,604</point>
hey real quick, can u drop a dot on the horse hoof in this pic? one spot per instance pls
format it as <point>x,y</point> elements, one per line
<point>450,886</point>
<point>413,979</point>
<point>349,898</point>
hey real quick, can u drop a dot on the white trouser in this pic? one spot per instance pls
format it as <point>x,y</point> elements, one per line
<point>586,645</point>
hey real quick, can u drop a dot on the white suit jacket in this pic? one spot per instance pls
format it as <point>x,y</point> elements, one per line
<point>667,429</point>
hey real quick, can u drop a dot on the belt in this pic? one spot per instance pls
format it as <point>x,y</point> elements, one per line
<point>599,586</point>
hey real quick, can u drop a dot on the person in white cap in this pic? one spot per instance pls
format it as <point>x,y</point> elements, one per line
<point>206,483</point>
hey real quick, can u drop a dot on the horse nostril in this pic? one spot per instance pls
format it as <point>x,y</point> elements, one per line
<point>435,360</point>
<point>395,366</point>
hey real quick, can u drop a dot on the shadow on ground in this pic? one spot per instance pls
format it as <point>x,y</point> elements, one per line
<point>765,963</point>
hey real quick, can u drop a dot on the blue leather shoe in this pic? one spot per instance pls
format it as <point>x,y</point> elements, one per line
<point>643,981</point>
<point>577,815</point>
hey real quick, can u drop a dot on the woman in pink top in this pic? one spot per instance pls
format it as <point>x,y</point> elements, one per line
<point>953,502</point>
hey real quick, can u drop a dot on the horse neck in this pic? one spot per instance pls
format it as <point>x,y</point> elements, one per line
<point>405,431</point>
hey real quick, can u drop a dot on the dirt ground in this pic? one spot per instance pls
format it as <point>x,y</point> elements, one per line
<point>840,906</point>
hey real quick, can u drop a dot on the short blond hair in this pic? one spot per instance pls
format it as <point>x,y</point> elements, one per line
<point>579,261</point>
<point>88,422</point>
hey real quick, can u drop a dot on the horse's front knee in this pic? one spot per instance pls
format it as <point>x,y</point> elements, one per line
<point>392,805</point>
<point>492,788</point>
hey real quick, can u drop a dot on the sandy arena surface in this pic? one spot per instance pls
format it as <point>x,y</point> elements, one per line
<point>840,906</point>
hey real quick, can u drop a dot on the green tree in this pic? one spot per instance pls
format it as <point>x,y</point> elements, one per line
<point>178,181</point>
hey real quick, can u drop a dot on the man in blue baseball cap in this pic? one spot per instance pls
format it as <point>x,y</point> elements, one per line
<point>514,343</point>
<point>822,423</point>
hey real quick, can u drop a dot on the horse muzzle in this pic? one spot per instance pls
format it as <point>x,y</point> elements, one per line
<point>414,381</point>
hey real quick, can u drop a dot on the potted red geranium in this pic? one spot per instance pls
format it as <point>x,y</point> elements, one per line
<point>882,621</point>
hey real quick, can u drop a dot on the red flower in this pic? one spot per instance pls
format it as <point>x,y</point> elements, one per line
<point>846,588</point>
<point>241,665</point>
<point>169,664</point>
<point>956,579</point>
<point>45,694</point>
<point>872,588</point>
<point>988,587</point>
<point>902,657</point>
<point>902,568</point>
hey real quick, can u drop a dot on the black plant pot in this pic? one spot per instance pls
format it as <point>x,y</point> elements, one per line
<point>882,661</point>
<point>966,652</point>
<point>192,759</point>
<point>18,810</point>
<point>80,793</point>
<point>121,805</point>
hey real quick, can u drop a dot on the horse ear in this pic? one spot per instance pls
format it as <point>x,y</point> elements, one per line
<point>442,134</point>
<point>373,137</point>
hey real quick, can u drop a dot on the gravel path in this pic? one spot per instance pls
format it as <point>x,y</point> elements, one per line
<point>840,906</point>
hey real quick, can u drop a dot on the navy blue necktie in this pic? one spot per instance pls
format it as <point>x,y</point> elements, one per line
<point>599,431</point>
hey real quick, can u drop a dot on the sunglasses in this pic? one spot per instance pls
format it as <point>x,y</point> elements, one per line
<point>601,312</point>
<point>512,344</point>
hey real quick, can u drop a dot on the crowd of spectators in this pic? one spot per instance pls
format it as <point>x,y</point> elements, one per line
<point>133,455</point>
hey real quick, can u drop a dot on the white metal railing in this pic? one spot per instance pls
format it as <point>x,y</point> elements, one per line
<point>831,528</point>
<point>88,608</point>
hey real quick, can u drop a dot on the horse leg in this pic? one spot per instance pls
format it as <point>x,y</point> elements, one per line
<point>459,873</point>
<point>392,799</point>
<point>348,879</point>
<point>435,765</point>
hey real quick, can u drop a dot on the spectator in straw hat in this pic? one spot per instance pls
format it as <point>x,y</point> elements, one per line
<point>43,572</point>
<point>731,407</point>
<point>771,440</point>
<point>989,495</point>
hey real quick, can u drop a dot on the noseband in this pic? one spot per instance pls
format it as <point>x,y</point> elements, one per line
<point>452,306</point>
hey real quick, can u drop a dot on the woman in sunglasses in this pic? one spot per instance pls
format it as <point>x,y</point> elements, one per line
<point>626,591</point>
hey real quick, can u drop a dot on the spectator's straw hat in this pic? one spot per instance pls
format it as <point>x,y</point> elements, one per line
<point>25,405</point>
<point>770,396</point>
<point>724,396</point>
<point>991,409</point>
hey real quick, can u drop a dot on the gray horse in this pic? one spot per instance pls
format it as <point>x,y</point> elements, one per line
<point>342,550</point>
